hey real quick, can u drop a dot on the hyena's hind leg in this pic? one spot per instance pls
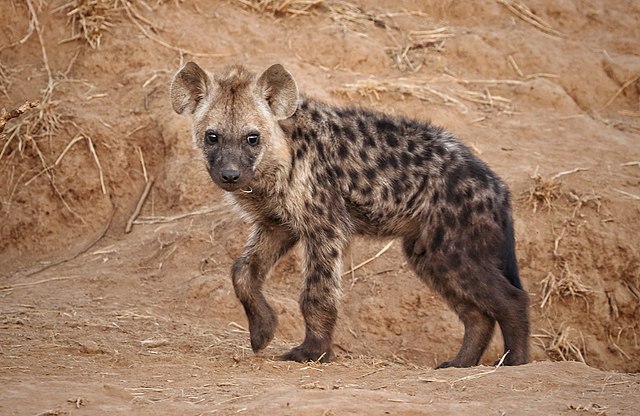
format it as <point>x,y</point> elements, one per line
<point>510,306</point>
<point>266,245</point>
<point>478,331</point>
<point>478,293</point>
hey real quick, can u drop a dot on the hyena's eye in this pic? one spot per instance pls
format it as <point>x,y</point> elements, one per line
<point>253,139</point>
<point>211,137</point>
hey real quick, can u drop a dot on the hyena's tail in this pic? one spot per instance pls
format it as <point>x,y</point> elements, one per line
<point>509,264</point>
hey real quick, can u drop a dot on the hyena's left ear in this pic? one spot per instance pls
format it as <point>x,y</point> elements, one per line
<point>280,90</point>
<point>188,88</point>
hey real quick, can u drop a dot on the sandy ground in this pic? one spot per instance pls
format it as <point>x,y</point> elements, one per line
<point>95,320</point>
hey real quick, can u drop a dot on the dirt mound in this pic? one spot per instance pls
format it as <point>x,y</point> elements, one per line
<point>547,92</point>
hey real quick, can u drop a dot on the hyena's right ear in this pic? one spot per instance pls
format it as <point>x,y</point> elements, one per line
<point>280,90</point>
<point>188,88</point>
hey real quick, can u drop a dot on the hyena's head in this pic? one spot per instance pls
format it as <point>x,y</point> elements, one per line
<point>236,118</point>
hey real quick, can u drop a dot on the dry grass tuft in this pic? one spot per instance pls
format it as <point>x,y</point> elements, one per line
<point>447,90</point>
<point>568,284</point>
<point>421,90</point>
<point>343,13</point>
<point>561,346</point>
<point>283,7</point>
<point>346,14</point>
<point>90,19</point>
<point>543,193</point>
<point>410,56</point>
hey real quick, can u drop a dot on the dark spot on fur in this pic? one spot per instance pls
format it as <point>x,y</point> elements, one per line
<point>438,238</point>
<point>392,140</point>
<point>382,161</point>
<point>364,155</point>
<point>449,219</point>
<point>343,151</point>
<point>405,159</point>
<point>398,190</point>
<point>385,193</point>
<point>455,261</point>
<point>370,173</point>
<point>320,148</point>
<point>335,129</point>
<point>351,136</point>
<point>393,161</point>
<point>385,126</point>
<point>369,141</point>
<point>366,190</point>
<point>435,198</point>
<point>465,215</point>
<point>329,232</point>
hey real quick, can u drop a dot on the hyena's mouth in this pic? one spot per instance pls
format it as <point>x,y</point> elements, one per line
<point>233,187</point>
<point>240,186</point>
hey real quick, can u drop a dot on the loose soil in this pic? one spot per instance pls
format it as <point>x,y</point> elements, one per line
<point>95,320</point>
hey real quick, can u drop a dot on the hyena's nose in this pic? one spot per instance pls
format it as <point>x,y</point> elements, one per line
<point>230,175</point>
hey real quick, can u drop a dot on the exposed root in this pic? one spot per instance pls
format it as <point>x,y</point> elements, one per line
<point>136,211</point>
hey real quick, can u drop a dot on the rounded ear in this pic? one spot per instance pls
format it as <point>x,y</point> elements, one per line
<point>188,88</point>
<point>280,90</point>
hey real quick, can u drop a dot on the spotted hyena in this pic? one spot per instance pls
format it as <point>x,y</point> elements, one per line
<point>309,173</point>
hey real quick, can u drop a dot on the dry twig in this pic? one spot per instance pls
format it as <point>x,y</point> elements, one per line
<point>5,115</point>
<point>378,254</point>
<point>139,205</point>
<point>622,88</point>
<point>523,12</point>
<point>85,248</point>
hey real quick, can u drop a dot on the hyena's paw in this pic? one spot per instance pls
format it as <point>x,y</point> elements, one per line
<point>262,328</point>
<point>303,354</point>
<point>455,363</point>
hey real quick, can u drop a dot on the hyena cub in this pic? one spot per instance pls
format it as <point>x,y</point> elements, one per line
<point>307,172</point>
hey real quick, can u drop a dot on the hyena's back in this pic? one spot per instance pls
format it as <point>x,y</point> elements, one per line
<point>397,176</point>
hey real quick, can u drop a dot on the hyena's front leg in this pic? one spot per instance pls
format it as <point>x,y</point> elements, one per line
<point>265,246</point>
<point>319,299</point>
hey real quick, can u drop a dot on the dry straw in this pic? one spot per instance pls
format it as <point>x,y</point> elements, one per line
<point>524,13</point>
<point>568,284</point>
<point>90,19</point>
<point>282,7</point>
<point>561,345</point>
